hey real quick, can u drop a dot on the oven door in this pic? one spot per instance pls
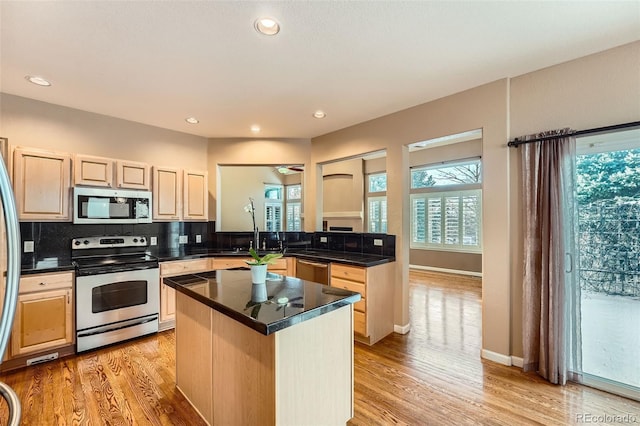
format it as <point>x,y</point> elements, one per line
<point>114,297</point>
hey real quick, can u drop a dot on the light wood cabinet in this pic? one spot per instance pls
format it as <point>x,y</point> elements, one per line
<point>167,294</point>
<point>44,314</point>
<point>180,195</point>
<point>167,194</point>
<point>195,196</point>
<point>42,183</point>
<point>99,171</point>
<point>133,175</point>
<point>373,314</point>
<point>92,171</point>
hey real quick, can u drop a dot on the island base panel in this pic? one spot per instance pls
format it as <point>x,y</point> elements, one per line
<point>234,375</point>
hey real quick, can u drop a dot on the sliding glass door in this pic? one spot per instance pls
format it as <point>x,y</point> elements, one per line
<point>608,268</point>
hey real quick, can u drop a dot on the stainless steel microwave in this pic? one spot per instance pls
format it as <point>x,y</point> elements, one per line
<point>98,205</point>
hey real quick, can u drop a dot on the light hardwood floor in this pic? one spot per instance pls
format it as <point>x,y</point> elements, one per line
<point>431,376</point>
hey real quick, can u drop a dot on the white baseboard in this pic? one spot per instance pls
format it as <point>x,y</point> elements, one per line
<point>496,357</point>
<point>401,329</point>
<point>517,361</point>
<point>447,271</point>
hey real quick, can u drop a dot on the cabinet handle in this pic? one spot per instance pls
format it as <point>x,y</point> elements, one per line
<point>68,298</point>
<point>43,283</point>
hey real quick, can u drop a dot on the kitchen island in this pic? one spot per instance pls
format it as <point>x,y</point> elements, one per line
<point>279,354</point>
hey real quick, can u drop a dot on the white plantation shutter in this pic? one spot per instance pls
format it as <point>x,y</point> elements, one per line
<point>273,217</point>
<point>447,220</point>
<point>294,221</point>
<point>377,214</point>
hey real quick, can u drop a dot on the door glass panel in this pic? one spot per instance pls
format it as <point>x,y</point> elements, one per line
<point>118,295</point>
<point>608,193</point>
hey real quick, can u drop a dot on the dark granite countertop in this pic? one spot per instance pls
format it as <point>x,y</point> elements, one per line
<point>289,301</point>
<point>64,263</point>
<point>46,265</point>
<point>351,258</point>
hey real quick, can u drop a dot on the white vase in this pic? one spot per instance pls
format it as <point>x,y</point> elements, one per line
<point>258,274</point>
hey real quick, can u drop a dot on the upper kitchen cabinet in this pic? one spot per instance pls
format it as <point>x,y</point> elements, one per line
<point>179,194</point>
<point>93,171</point>
<point>195,196</point>
<point>133,175</point>
<point>98,171</point>
<point>42,182</point>
<point>167,194</point>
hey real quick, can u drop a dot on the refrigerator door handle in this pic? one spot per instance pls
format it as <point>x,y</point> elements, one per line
<point>13,281</point>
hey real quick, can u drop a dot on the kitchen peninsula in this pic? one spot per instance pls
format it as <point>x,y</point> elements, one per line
<point>248,357</point>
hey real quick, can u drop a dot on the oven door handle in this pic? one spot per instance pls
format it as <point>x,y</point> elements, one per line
<point>113,327</point>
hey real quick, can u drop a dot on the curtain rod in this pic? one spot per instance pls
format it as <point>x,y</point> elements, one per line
<point>517,141</point>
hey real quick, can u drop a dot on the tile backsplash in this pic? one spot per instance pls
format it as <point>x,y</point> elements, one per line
<point>53,239</point>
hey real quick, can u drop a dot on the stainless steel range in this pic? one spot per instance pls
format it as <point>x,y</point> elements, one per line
<point>117,290</point>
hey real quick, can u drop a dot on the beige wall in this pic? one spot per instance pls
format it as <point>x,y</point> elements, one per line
<point>26,122</point>
<point>594,91</point>
<point>270,152</point>
<point>484,108</point>
<point>590,92</point>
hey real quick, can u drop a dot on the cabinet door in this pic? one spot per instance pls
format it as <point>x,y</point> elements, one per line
<point>167,193</point>
<point>167,303</point>
<point>195,206</point>
<point>43,321</point>
<point>132,175</point>
<point>42,182</point>
<point>93,171</point>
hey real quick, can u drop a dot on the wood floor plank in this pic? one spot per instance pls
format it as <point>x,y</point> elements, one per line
<point>431,376</point>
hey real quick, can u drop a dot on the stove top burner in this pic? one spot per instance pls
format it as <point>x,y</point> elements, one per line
<point>101,255</point>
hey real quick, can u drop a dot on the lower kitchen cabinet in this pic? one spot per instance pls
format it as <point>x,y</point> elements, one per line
<point>373,314</point>
<point>44,314</point>
<point>167,294</point>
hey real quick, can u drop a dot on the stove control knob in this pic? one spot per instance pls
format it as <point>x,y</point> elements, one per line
<point>77,243</point>
<point>142,240</point>
<point>135,240</point>
<point>86,242</point>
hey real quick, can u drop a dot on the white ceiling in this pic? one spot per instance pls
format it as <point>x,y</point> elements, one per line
<point>158,62</point>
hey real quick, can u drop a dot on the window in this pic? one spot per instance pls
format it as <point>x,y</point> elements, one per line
<point>452,174</point>
<point>294,208</point>
<point>446,207</point>
<point>377,203</point>
<point>273,207</point>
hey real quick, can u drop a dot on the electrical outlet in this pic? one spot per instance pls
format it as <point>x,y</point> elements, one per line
<point>198,238</point>
<point>154,241</point>
<point>183,239</point>
<point>28,246</point>
<point>323,239</point>
<point>377,242</point>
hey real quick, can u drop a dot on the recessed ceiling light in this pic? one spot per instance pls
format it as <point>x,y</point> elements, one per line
<point>267,26</point>
<point>319,114</point>
<point>255,128</point>
<point>37,80</point>
<point>192,120</point>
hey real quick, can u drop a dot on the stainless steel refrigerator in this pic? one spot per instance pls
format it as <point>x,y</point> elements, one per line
<point>11,235</point>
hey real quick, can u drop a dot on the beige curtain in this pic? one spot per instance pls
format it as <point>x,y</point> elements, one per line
<point>550,296</point>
